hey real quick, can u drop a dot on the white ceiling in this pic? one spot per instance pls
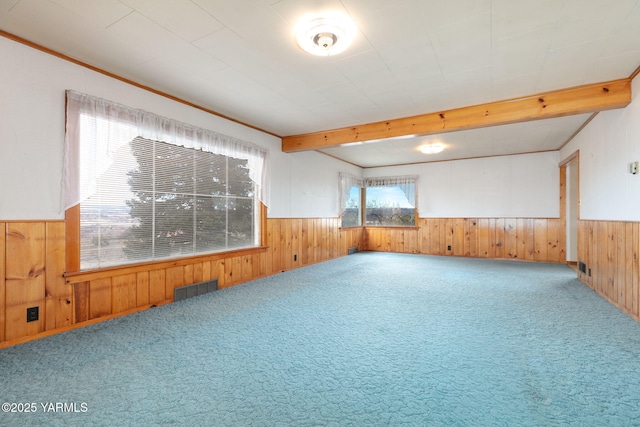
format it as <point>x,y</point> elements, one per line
<point>410,57</point>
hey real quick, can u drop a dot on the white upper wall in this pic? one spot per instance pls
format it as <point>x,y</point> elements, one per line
<point>525,185</point>
<point>607,145</point>
<point>32,88</point>
<point>306,185</point>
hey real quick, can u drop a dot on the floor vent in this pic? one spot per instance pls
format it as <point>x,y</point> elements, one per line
<point>184,292</point>
<point>352,250</point>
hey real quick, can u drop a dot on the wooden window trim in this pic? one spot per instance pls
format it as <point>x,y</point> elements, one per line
<point>394,227</point>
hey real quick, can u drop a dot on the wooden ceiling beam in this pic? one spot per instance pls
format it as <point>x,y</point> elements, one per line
<point>565,102</point>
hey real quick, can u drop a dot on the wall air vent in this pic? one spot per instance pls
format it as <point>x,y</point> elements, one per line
<point>582,267</point>
<point>352,250</point>
<point>189,291</point>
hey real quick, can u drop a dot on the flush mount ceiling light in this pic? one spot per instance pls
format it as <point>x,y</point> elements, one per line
<point>327,35</point>
<point>433,148</point>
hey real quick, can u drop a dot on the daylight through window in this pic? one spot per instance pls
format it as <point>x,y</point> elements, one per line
<point>388,201</point>
<point>142,198</point>
<point>350,200</point>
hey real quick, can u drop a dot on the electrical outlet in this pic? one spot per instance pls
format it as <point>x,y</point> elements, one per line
<point>449,247</point>
<point>295,257</point>
<point>633,168</point>
<point>32,314</point>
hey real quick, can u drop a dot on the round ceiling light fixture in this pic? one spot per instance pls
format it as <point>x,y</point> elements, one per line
<point>327,35</point>
<point>432,148</point>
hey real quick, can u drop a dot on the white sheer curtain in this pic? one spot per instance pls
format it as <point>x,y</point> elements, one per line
<point>407,185</point>
<point>109,126</point>
<point>346,181</point>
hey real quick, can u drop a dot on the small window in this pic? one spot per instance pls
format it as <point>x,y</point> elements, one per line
<point>350,200</point>
<point>387,201</point>
<point>352,213</point>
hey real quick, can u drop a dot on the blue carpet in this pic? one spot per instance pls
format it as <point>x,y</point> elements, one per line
<point>372,339</point>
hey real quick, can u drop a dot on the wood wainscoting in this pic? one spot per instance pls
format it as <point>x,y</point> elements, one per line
<point>32,273</point>
<point>609,250</point>
<point>528,239</point>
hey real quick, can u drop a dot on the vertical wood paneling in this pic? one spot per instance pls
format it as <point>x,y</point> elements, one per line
<point>24,278</point>
<point>601,257</point>
<point>80,302</point>
<point>217,271</point>
<point>434,237</point>
<point>58,293</point>
<point>627,266</point>
<point>174,278</point>
<point>492,238</point>
<point>270,242</point>
<point>142,288</point>
<point>620,275</point>
<point>529,236</point>
<point>234,273</point>
<point>553,240</point>
<point>499,240</point>
<point>275,247</point>
<point>611,262</point>
<point>484,242</point>
<point>99,298</point>
<point>197,272</point>
<point>317,240</point>
<point>447,227</point>
<point>510,238</point>
<point>187,272</point>
<point>540,236</point>
<point>206,271</point>
<point>123,293</point>
<point>635,260</point>
<point>247,268</point>
<point>458,237</point>
<point>411,241</point>
<point>3,270</point>
<point>473,237</point>
<point>157,286</point>
<point>305,242</point>
<point>72,239</point>
<point>467,238</point>
<point>610,250</point>
<point>562,221</point>
<point>521,246</point>
<point>287,240</point>
<point>296,242</point>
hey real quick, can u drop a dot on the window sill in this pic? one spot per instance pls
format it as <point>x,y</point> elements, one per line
<point>86,275</point>
<point>395,227</point>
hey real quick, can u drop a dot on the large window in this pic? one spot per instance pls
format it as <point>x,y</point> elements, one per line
<point>143,198</point>
<point>388,201</point>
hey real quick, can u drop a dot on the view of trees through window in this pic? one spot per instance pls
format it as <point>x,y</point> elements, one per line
<point>388,206</point>
<point>384,205</point>
<point>159,200</point>
<point>352,213</point>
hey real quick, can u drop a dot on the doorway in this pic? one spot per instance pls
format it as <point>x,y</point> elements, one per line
<point>570,169</point>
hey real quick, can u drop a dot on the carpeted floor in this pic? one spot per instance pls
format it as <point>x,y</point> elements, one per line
<point>372,339</point>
